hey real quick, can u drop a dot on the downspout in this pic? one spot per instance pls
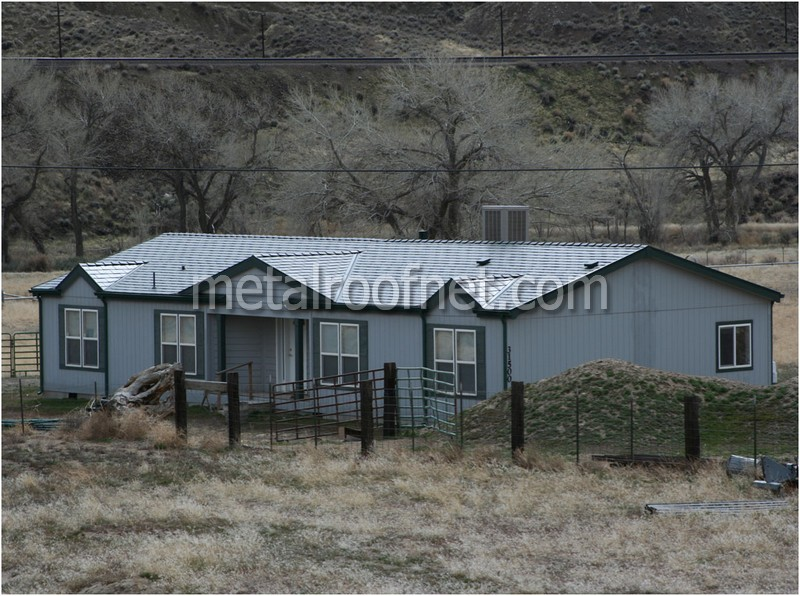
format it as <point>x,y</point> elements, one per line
<point>41,346</point>
<point>771,334</point>
<point>222,357</point>
<point>424,316</point>
<point>299,356</point>
<point>106,361</point>
<point>503,320</point>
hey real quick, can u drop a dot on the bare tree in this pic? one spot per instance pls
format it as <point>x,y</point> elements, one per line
<point>455,118</point>
<point>335,144</point>
<point>27,101</point>
<point>202,142</point>
<point>651,193</point>
<point>427,154</point>
<point>721,132</point>
<point>83,132</point>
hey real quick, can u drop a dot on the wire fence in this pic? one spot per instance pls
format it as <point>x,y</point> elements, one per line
<point>651,428</point>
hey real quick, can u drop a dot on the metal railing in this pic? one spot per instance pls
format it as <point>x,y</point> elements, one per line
<point>21,354</point>
<point>318,407</point>
<point>427,399</point>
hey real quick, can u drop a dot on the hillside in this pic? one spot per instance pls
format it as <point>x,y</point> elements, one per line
<point>602,102</point>
<point>607,388</point>
<point>184,29</point>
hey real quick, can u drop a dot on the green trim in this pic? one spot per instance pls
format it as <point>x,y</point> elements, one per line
<point>200,338</point>
<point>222,356</point>
<point>503,321</point>
<point>363,342</point>
<point>41,344</point>
<point>423,315</point>
<point>656,254</point>
<point>480,352</point>
<point>106,383</point>
<point>299,349</point>
<point>102,361</point>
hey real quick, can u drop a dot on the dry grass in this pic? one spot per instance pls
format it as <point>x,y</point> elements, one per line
<point>22,315</point>
<point>784,315</point>
<point>125,517</point>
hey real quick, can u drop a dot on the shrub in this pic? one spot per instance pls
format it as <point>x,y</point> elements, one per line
<point>100,425</point>
<point>134,424</point>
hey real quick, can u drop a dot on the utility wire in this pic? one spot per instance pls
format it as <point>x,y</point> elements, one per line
<point>221,169</point>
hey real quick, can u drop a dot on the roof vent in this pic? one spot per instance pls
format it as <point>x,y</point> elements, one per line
<point>505,223</point>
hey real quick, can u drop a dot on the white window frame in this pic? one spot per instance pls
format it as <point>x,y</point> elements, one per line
<point>339,353</point>
<point>456,360</point>
<point>736,365</point>
<point>81,338</point>
<point>179,341</point>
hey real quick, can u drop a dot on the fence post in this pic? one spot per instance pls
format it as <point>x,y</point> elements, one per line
<point>691,426</point>
<point>367,431</point>
<point>577,429</point>
<point>389,399</point>
<point>234,423</point>
<point>755,436</point>
<point>21,408</point>
<point>179,388</point>
<point>517,417</point>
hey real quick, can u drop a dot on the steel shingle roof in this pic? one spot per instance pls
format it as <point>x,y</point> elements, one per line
<point>516,272</point>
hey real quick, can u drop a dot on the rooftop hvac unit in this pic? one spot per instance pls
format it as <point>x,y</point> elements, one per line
<point>505,223</point>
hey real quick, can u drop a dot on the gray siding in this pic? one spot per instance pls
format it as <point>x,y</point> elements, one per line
<point>249,339</point>
<point>63,380</point>
<point>657,316</point>
<point>131,328</point>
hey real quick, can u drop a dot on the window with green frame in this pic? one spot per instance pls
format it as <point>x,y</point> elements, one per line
<point>735,346</point>
<point>179,338</point>
<point>340,350</point>
<point>458,354</point>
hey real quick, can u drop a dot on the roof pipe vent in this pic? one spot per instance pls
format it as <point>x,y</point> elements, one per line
<point>423,234</point>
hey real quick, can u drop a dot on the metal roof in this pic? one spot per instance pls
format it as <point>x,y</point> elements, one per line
<point>499,276</point>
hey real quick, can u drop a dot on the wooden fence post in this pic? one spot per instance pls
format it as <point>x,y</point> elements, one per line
<point>367,431</point>
<point>517,416</point>
<point>234,423</point>
<point>181,417</point>
<point>389,399</point>
<point>691,426</point>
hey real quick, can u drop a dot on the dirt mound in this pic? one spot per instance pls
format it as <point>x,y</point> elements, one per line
<point>614,396</point>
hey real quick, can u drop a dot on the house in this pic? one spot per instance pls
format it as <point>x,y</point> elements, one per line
<point>484,312</point>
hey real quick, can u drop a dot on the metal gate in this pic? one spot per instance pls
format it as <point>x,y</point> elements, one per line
<point>313,408</point>
<point>21,352</point>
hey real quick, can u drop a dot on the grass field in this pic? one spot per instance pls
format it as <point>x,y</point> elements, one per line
<point>133,516</point>
<point>145,513</point>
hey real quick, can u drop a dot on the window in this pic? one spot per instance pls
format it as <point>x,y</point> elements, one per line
<point>339,351</point>
<point>454,351</point>
<point>734,346</point>
<point>81,338</point>
<point>179,341</point>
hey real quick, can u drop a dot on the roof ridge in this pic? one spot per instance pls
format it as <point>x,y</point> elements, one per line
<point>112,263</point>
<point>313,253</point>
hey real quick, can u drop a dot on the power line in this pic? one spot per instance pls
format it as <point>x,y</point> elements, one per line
<point>507,59</point>
<point>235,170</point>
